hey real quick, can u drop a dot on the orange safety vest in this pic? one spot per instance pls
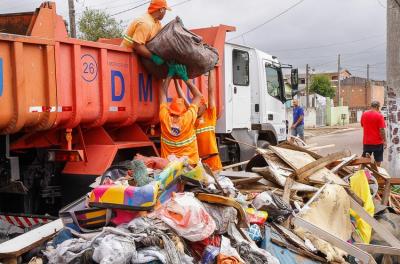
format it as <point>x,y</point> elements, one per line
<point>178,135</point>
<point>206,140</point>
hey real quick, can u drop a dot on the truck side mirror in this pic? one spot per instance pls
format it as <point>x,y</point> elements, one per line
<point>294,80</point>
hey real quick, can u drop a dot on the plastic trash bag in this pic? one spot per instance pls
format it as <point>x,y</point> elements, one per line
<point>174,43</point>
<point>187,216</point>
<point>277,209</point>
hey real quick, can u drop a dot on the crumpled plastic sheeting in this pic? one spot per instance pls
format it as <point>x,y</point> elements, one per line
<point>330,212</point>
<point>187,216</point>
<point>114,249</point>
<point>222,215</point>
<point>254,255</point>
<point>149,254</point>
<point>70,251</point>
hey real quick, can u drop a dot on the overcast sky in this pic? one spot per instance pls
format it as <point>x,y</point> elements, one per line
<point>313,32</point>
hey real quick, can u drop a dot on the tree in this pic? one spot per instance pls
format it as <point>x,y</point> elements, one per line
<point>321,84</point>
<point>95,24</point>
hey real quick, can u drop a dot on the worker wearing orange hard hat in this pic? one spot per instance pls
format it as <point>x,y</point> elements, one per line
<point>178,134</point>
<point>205,126</point>
<point>144,29</point>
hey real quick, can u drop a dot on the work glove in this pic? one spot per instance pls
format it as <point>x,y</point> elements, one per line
<point>157,59</point>
<point>181,71</point>
<point>171,69</point>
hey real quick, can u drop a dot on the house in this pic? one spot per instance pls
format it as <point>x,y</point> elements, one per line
<point>333,76</point>
<point>358,94</point>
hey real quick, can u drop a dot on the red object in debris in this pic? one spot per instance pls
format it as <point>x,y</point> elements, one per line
<point>153,162</point>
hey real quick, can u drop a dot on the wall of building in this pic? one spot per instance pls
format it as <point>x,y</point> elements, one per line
<point>310,117</point>
<point>358,95</point>
<point>334,116</point>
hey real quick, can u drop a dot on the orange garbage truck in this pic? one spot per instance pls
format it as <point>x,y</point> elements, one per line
<point>72,108</point>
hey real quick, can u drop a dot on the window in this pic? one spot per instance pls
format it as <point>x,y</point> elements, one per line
<point>240,68</point>
<point>273,83</point>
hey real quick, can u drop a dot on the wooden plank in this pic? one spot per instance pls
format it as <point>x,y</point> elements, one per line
<point>210,172</point>
<point>386,193</point>
<point>235,165</point>
<point>297,160</point>
<point>334,240</point>
<point>344,163</point>
<point>378,227</point>
<point>286,255</point>
<point>247,180</point>
<point>378,249</point>
<point>355,162</point>
<point>21,244</point>
<point>288,145</point>
<point>297,250</point>
<point>304,172</point>
<point>238,174</point>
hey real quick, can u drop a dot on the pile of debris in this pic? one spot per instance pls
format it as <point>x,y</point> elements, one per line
<point>289,205</point>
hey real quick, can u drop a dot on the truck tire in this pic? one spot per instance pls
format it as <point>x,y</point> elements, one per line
<point>263,144</point>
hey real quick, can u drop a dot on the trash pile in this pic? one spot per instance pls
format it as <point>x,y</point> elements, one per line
<point>289,205</point>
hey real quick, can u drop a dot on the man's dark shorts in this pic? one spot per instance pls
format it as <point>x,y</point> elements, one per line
<point>377,150</point>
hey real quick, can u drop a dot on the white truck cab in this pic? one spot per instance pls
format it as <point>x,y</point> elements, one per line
<point>254,102</point>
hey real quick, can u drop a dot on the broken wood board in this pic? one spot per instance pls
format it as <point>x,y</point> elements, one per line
<point>290,236</point>
<point>297,160</point>
<point>355,162</point>
<point>272,173</point>
<point>378,249</point>
<point>246,180</point>
<point>345,162</point>
<point>238,174</point>
<point>378,227</point>
<point>21,244</point>
<point>363,256</point>
<point>235,165</point>
<point>288,145</point>
<point>306,171</point>
<point>284,252</point>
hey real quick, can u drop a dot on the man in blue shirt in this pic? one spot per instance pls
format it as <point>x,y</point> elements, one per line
<point>298,120</point>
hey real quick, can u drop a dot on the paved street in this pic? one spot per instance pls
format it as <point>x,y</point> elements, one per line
<point>351,140</point>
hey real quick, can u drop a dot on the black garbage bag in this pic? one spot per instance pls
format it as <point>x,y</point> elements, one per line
<point>174,43</point>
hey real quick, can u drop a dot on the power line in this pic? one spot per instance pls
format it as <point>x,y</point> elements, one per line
<point>269,20</point>
<point>329,45</point>
<point>381,4</point>
<point>129,9</point>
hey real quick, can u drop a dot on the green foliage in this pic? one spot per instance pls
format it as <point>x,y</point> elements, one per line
<point>95,24</point>
<point>321,84</point>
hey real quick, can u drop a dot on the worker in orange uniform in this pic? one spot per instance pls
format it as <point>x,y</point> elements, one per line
<point>205,126</point>
<point>144,29</point>
<point>178,134</point>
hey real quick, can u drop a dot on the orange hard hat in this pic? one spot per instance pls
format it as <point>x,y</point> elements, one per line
<point>177,106</point>
<point>157,4</point>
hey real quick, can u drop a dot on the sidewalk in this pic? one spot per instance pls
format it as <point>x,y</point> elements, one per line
<point>313,132</point>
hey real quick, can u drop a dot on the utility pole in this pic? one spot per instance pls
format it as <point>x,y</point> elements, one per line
<point>72,24</point>
<point>307,87</point>
<point>393,85</point>
<point>338,72</point>
<point>367,87</point>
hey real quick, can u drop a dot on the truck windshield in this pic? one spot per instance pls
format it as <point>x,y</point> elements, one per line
<point>273,81</point>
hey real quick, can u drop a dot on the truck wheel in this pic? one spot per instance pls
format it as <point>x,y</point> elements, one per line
<point>263,144</point>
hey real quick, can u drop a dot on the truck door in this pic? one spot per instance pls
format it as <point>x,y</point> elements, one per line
<point>239,84</point>
<point>275,108</point>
